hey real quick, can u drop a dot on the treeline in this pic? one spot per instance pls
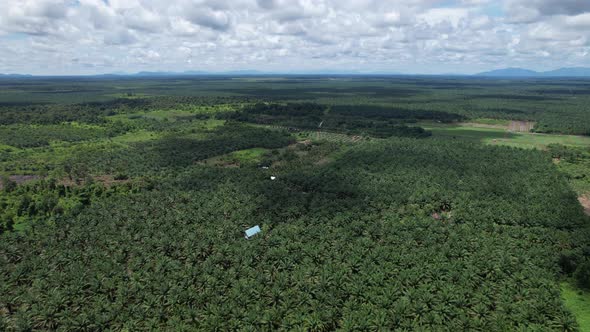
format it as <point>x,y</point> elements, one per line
<point>95,112</point>
<point>303,115</point>
<point>27,136</point>
<point>52,114</point>
<point>388,113</point>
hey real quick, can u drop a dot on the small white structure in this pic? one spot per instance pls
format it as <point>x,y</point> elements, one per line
<point>273,178</point>
<point>250,232</point>
<point>264,167</point>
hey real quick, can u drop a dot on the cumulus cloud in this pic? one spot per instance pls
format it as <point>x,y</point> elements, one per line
<point>527,11</point>
<point>94,36</point>
<point>557,7</point>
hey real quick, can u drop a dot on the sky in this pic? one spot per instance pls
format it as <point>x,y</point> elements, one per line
<point>81,37</point>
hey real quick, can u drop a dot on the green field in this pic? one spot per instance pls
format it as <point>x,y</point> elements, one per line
<point>137,136</point>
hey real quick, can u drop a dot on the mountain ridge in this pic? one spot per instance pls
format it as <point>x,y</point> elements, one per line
<point>511,72</point>
<point>522,72</point>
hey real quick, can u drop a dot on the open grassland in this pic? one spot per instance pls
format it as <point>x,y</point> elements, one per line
<point>578,301</point>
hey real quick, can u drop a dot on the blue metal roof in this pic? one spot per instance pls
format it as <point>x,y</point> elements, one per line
<point>252,231</point>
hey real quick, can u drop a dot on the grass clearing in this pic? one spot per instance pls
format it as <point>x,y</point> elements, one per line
<point>249,155</point>
<point>577,174</point>
<point>169,116</point>
<point>136,136</point>
<point>211,123</point>
<point>578,302</point>
<point>499,136</point>
<point>492,122</point>
<point>7,148</point>
<point>540,141</point>
<point>160,115</point>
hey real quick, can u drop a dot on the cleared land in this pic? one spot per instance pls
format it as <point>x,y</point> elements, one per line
<point>521,126</point>
<point>500,135</point>
<point>585,201</point>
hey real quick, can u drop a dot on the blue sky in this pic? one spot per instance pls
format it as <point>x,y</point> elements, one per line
<point>418,36</point>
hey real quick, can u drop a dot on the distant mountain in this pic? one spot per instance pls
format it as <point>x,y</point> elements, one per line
<point>510,72</point>
<point>498,73</point>
<point>520,72</point>
<point>14,75</point>
<point>154,73</point>
<point>241,72</point>
<point>193,73</point>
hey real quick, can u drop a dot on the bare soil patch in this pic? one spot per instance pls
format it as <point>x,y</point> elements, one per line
<point>521,126</point>
<point>585,201</point>
<point>323,161</point>
<point>21,179</point>
<point>109,180</point>
<point>106,180</point>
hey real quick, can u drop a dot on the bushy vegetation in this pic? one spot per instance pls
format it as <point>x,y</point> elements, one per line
<point>24,136</point>
<point>47,200</point>
<point>313,116</point>
<point>175,150</point>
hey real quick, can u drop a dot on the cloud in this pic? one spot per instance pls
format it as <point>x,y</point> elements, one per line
<point>120,37</point>
<point>33,17</point>
<point>209,18</point>
<point>561,7</point>
<point>86,36</point>
<point>526,11</point>
<point>266,4</point>
<point>581,21</point>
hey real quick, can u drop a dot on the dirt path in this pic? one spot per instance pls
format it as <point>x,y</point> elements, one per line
<point>585,201</point>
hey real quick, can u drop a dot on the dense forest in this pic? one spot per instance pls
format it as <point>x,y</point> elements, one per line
<point>125,209</point>
<point>315,116</point>
<point>556,105</point>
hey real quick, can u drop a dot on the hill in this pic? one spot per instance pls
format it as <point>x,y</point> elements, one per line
<point>13,75</point>
<point>510,72</point>
<point>521,72</point>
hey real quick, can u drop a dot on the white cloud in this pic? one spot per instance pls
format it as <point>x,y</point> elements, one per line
<point>87,36</point>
